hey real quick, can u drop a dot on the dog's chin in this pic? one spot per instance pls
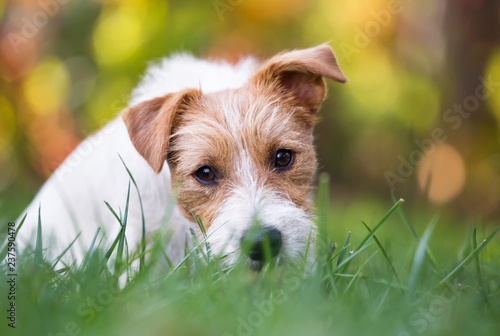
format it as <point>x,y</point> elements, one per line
<point>256,265</point>
<point>245,262</point>
<point>259,265</point>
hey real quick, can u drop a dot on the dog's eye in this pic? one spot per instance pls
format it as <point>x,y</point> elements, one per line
<point>284,158</point>
<point>205,174</point>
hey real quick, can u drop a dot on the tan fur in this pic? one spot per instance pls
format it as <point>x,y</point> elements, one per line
<point>300,72</point>
<point>224,130</point>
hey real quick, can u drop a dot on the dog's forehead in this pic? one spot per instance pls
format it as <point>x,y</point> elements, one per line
<point>236,117</point>
<point>231,124</point>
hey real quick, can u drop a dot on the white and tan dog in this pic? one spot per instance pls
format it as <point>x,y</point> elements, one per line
<point>238,143</point>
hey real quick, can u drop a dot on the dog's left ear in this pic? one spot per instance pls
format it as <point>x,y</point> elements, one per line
<point>300,73</point>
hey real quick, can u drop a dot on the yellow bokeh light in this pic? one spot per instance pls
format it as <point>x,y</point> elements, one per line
<point>2,9</point>
<point>374,84</point>
<point>419,104</point>
<point>485,184</point>
<point>8,167</point>
<point>273,10</point>
<point>46,87</point>
<point>493,76</point>
<point>441,173</point>
<point>341,21</point>
<point>7,121</point>
<point>118,34</point>
<point>347,14</point>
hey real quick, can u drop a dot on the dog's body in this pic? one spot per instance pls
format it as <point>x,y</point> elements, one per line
<point>72,200</point>
<point>238,143</point>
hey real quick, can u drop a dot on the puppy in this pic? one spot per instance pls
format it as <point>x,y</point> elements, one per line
<point>233,143</point>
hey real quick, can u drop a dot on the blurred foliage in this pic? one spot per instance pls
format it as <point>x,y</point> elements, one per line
<point>68,67</point>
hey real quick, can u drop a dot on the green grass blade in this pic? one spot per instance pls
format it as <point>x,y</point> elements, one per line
<point>121,241</point>
<point>345,269</point>
<point>335,255</point>
<point>384,219</point>
<point>356,275</point>
<point>200,224</point>
<point>59,257</point>
<point>20,225</point>
<point>143,221</point>
<point>118,218</point>
<point>204,232</point>
<point>405,219</point>
<point>384,253</point>
<point>308,245</point>
<point>190,252</point>
<point>39,242</point>
<point>418,259</point>
<point>197,258</point>
<point>344,249</point>
<point>5,246</point>
<point>480,282</point>
<point>476,251</point>
<point>350,257</point>
<point>88,255</point>
<point>110,250</point>
<point>322,218</point>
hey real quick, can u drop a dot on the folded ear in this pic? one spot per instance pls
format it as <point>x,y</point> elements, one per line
<point>300,73</point>
<point>150,124</point>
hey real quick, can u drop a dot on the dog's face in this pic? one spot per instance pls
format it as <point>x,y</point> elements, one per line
<point>243,160</point>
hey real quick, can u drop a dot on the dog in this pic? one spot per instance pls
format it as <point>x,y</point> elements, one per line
<point>232,144</point>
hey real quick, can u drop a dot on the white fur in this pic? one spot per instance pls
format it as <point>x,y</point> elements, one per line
<point>184,71</point>
<point>252,202</point>
<point>72,200</point>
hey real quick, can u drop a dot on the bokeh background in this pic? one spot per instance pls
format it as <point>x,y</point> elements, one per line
<point>419,117</point>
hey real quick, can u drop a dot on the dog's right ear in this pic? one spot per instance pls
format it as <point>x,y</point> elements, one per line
<point>150,124</point>
<point>300,73</point>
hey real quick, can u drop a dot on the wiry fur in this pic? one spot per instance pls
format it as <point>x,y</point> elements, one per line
<point>192,113</point>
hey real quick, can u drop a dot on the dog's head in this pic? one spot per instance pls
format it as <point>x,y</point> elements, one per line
<point>243,159</point>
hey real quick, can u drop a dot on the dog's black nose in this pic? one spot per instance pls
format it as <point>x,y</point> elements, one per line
<point>255,243</point>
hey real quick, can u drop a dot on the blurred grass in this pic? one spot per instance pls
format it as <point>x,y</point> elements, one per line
<point>352,289</point>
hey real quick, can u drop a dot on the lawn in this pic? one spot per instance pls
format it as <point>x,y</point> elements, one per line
<point>380,270</point>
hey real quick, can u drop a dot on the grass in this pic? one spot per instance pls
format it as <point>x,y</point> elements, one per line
<point>383,278</point>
